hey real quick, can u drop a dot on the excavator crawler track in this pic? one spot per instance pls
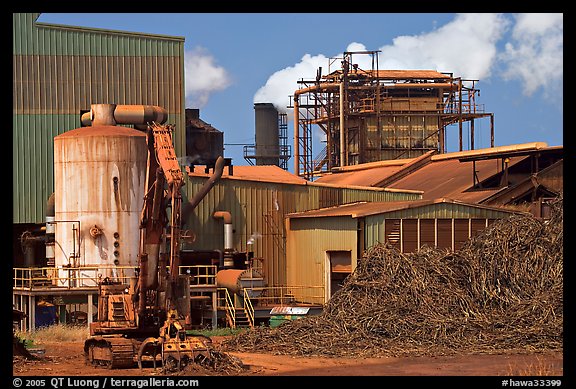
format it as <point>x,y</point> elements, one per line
<point>110,352</point>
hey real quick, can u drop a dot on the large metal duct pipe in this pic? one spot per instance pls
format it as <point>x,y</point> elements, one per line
<point>189,207</point>
<point>296,135</point>
<point>124,114</point>
<point>342,125</point>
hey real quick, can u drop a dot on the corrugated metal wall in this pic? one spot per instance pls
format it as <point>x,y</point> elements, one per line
<point>59,71</point>
<point>308,241</point>
<point>259,208</point>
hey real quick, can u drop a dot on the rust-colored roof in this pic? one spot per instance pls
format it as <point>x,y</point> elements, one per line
<point>451,178</point>
<point>102,131</point>
<point>442,175</point>
<point>361,209</point>
<point>263,173</point>
<point>365,177</point>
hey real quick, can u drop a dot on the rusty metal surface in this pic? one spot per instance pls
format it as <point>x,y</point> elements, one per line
<point>443,176</point>
<point>267,173</point>
<point>368,177</point>
<point>452,178</point>
<point>235,280</point>
<point>395,74</point>
<point>99,180</point>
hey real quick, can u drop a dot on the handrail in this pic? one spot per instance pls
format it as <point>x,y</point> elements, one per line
<point>229,307</point>
<point>29,278</point>
<point>286,295</point>
<point>248,308</point>
<point>200,274</point>
<point>69,277</point>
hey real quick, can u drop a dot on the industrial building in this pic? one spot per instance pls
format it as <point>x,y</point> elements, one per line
<point>370,115</point>
<point>524,176</point>
<point>258,199</point>
<point>283,239</point>
<point>328,242</point>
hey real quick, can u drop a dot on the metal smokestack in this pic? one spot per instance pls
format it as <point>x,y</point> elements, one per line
<point>267,135</point>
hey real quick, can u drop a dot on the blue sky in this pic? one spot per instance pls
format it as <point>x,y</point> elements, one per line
<point>233,60</point>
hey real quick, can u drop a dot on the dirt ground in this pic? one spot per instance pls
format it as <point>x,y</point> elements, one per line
<point>67,359</point>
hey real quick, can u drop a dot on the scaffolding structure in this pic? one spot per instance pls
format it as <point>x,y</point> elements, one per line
<point>373,115</point>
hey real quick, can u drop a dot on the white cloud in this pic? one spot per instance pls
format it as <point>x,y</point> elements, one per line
<point>466,47</point>
<point>535,53</point>
<point>282,83</point>
<point>202,77</point>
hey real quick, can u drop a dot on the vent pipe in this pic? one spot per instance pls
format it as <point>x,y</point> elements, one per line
<point>228,237</point>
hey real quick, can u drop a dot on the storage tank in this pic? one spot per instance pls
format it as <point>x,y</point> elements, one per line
<point>99,174</point>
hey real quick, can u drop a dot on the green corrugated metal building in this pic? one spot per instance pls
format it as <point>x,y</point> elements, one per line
<point>258,198</point>
<point>59,71</point>
<point>323,246</point>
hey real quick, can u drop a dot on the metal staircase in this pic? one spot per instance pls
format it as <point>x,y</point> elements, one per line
<point>239,310</point>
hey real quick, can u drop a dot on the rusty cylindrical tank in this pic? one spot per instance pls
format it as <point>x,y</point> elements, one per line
<point>235,280</point>
<point>99,174</point>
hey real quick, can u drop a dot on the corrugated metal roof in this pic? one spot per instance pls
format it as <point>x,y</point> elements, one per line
<point>361,209</point>
<point>261,173</point>
<point>442,176</point>
<point>452,179</point>
<point>368,177</point>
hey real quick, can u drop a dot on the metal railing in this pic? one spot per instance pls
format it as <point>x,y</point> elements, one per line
<point>200,274</point>
<point>28,278</point>
<point>224,301</point>
<point>70,277</point>
<point>248,308</point>
<point>285,295</point>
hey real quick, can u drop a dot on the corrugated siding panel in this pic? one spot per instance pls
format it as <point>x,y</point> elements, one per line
<point>309,240</point>
<point>65,84</point>
<point>58,71</point>
<point>477,225</point>
<point>261,207</point>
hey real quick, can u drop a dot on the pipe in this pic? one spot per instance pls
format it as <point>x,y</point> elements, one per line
<point>318,88</point>
<point>342,122</point>
<point>124,114</point>
<point>50,230</point>
<point>296,136</point>
<point>189,207</point>
<point>102,114</point>
<point>227,217</point>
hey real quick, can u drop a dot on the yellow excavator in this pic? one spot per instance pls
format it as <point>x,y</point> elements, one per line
<point>149,317</point>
